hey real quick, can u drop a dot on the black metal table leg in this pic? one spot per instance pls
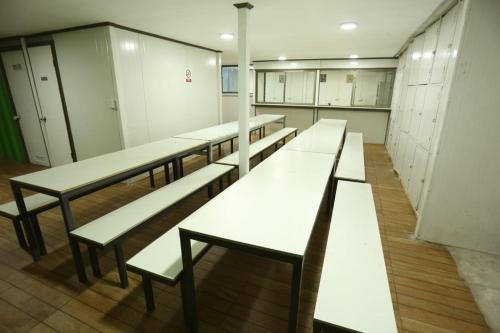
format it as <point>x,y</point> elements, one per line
<point>175,166</point>
<point>209,160</point>
<point>219,149</point>
<point>75,248</point>
<point>38,234</point>
<point>151,178</point>
<point>181,167</point>
<point>34,249</point>
<point>264,131</point>
<point>120,262</point>
<point>232,146</point>
<point>295,296</point>
<point>187,283</point>
<point>167,173</point>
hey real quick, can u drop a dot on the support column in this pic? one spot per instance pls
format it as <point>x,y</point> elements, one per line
<point>243,88</point>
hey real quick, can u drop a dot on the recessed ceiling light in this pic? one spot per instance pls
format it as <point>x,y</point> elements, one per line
<point>348,26</point>
<point>354,63</point>
<point>226,36</point>
<point>281,58</point>
<point>354,56</point>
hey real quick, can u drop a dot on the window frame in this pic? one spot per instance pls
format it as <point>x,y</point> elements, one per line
<point>284,71</point>
<point>222,79</point>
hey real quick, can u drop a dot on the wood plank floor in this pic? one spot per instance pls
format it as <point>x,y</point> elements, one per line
<point>237,292</point>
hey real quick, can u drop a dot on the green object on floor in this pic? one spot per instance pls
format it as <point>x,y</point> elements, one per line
<point>11,144</point>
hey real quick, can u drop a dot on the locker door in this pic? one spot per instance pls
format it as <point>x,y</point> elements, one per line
<point>416,114</point>
<point>417,176</point>
<point>408,107</point>
<point>429,114</point>
<point>444,46</point>
<point>416,57</point>
<point>428,51</point>
<point>400,156</point>
<point>408,162</point>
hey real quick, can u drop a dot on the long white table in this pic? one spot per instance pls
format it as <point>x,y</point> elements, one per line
<point>270,212</point>
<point>228,131</point>
<point>325,136</point>
<point>70,181</point>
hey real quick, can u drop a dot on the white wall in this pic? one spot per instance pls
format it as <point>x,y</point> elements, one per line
<point>86,67</point>
<point>155,100</point>
<point>462,208</point>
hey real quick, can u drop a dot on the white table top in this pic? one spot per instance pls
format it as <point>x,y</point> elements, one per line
<point>352,160</point>
<point>354,291</point>
<point>107,228</point>
<point>74,175</point>
<point>258,146</point>
<point>325,136</point>
<point>273,207</point>
<point>225,131</point>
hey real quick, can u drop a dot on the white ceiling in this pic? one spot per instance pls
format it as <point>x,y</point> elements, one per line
<point>294,28</point>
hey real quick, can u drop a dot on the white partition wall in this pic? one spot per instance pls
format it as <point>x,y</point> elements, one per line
<point>165,88</point>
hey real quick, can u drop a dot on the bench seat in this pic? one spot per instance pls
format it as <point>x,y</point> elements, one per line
<point>259,147</point>
<point>109,229</point>
<point>354,294</point>
<point>352,161</point>
<point>35,204</point>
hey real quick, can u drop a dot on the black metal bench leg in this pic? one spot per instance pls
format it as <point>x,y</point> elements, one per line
<point>232,146</point>
<point>219,149</point>
<point>94,261</point>
<point>181,167</point>
<point>151,178</point>
<point>175,167</point>
<point>38,234</point>
<point>148,293</point>
<point>19,233</point>
<point>120,262</point>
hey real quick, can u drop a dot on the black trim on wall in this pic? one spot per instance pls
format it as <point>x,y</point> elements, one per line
<point>104,24</point>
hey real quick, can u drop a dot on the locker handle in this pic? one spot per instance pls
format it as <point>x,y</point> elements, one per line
<point>44,119</point>
<point>16,117</point>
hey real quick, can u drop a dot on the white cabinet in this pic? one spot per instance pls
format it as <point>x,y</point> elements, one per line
<point>429,114</point>
<point>407,109</point>
<point>415,59</point>
<point>275,87</point>
<point>408,162</point>
<point>416,181</point>
<point>444,46</point>
<point>416,114</point>
<point>400,154</point>
<point>428,51</point>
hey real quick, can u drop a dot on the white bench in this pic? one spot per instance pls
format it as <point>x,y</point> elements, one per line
<point>352,160</point>
<point>162,261</point>
<point>260,146</point>
<point>354,294</point>
<point>35,204</point>
<point>110,229</point>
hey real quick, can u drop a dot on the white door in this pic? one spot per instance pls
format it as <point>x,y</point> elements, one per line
<point>444,46</point>
<point>22,95</point>
<point>429,114</point>
<point>416,114</point>
<point>416,57</point>
<point>417,176</point>
<point>408,108</point>
<point>428,51</point>
<point>52,114</point>
<point>400,156</point>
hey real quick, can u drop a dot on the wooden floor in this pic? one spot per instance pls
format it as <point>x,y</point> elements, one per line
<point>236,292</point>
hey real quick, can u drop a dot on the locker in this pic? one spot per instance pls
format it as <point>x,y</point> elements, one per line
<point>408,108</point>
<point>416,57</point>
<point>417,176</point>
<point>400,156</point>
<point>429,114</point>
<point>444,46</point>
<point>408,162</point>
<point>428,51</point>
<point>416,114</point>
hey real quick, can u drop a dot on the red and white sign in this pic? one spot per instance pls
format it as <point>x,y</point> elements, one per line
<point>188,75</point>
